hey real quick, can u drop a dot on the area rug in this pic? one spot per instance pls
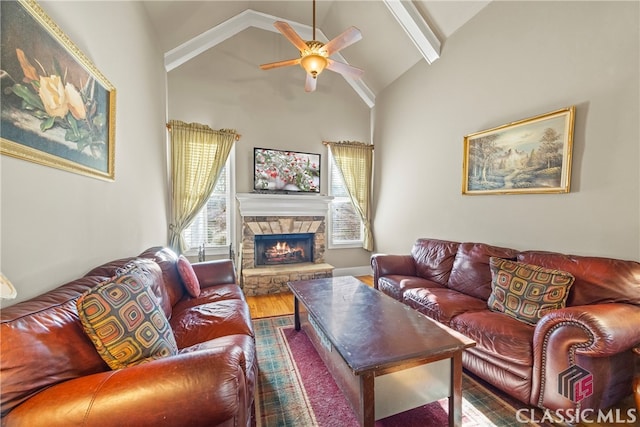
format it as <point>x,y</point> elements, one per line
<point>295,389</point>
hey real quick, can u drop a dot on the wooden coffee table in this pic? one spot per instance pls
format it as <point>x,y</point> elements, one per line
<point>386,357</point>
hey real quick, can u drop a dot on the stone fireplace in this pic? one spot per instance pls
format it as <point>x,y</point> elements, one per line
<point>269,221</point>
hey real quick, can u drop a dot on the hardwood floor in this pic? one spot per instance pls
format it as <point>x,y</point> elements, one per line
<point>280,304</point>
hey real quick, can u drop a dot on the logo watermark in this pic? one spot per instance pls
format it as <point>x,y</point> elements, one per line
<point>576,383</point>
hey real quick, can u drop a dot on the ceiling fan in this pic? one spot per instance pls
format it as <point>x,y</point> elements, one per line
<point>314,55</point>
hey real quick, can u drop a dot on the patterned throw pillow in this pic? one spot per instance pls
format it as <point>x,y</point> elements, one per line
<point>188,276</point>
<point>527,292</point>
<point>124,322</point>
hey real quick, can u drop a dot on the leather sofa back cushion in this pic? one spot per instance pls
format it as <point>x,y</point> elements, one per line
<point>434,259</point>
<point>471,274</point>
<point>124,321</point>
<point>58,349</point>
<point>598,280</point>
<point>527,292</point>
<point>168,262</point>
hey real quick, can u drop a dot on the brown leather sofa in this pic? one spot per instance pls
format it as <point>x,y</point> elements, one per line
<point>636,381</point>
<point>596,331</point>
<point>52,375</point>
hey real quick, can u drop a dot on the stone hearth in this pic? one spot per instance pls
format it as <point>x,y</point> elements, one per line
<point>264,214</point>
<point>273,280</point>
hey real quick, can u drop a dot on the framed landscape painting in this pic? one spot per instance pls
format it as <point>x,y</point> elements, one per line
<point>527,156</point>
<point>57,109</point>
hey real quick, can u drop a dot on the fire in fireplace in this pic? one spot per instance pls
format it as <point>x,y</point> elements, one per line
<point>277,249</point>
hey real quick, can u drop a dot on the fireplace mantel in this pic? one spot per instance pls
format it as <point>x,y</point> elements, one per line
<point>259,204</point>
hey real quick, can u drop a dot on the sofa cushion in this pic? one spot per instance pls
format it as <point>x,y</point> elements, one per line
<point>442,304</point>
<point>471,274</point>
<point>598,280</point>
<point>501,336</point>
<point>395,285</point>
<point>527,292</point>
<point>167,260</point>
<point>209,295</point>
<point>188,276</point>
<point>124,322</point>
<point>434,259</point>
<point>207,321</point>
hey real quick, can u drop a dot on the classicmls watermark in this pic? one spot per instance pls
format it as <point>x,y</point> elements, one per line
<point>576,383</point>
<point>576,416</point>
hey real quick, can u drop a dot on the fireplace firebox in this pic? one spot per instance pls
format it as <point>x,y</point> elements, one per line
<point>279,249</point>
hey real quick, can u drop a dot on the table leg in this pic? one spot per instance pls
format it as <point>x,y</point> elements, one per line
<point>367,410</point>
<point>296,313</point>
<point>455,400</point>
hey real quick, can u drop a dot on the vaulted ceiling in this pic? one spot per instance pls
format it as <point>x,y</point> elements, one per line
<point>396,35</point>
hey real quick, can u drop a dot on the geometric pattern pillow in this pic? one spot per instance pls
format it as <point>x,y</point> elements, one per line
<point>527,292</point>
<point>188,276</point>
<point>124,322</point>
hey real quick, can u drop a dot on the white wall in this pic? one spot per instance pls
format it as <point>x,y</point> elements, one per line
<point>270,109</point>
<point>57,225</point>
<point>512,61</point>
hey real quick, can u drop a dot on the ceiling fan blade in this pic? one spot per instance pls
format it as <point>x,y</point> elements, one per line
<point>347,38</point>
<point>285,63</point>
<point>342,68</point>
<point>290,34</point>
<point>310,83</point>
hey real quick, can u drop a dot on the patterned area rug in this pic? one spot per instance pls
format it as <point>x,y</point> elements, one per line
<point>295,389</point>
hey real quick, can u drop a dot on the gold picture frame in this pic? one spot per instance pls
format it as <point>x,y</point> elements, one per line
<point>528,156</point>
<point>57,109</point>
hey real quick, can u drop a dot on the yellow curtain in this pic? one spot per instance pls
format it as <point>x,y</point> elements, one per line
<point>198,154</point>
<point>355,162</point>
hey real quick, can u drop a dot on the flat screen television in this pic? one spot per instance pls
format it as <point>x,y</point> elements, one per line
<point>281,171</point>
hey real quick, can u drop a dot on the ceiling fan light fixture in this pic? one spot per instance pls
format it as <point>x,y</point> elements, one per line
<point>314,58</point>
<point>313,64</point>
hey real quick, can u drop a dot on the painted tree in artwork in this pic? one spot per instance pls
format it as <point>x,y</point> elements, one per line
<point>551,148</point>
<point>482,151</point>
<point>532,159</point>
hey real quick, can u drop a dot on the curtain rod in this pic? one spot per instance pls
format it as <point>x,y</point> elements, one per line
<point>347,143</point>
<point>238,136</point>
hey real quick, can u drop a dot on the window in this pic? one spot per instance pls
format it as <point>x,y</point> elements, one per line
<point>345,226</point>
<point>213,224</point>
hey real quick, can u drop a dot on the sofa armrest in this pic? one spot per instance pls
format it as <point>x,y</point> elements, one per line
<point>217,272</point>
<point>597,330</point>
<point>384,265</point>
<point>197,388</point>
<point>597,338</point>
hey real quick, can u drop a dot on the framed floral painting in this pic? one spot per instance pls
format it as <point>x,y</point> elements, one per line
<point>57,109</point>
<point>528,156</point>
